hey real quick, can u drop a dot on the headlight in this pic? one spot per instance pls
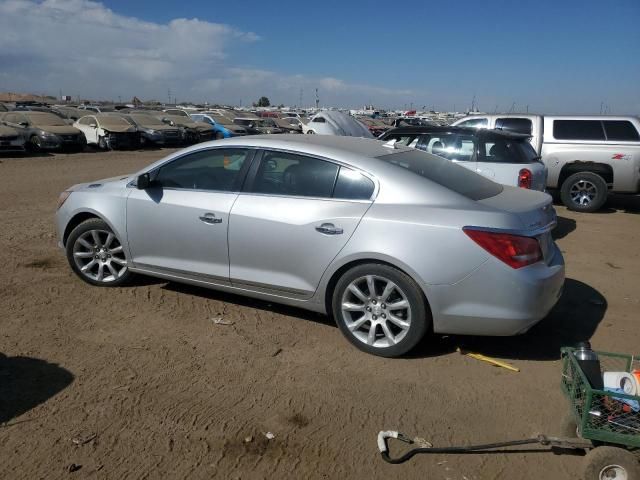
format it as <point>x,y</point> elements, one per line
<point>48,134</point>
<point>152,131</point>
<point>63,198</point>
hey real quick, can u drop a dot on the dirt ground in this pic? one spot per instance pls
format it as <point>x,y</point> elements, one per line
<point>139,382</point>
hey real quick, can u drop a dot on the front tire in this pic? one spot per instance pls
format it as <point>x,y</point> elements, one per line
<point>96,254</point>
<point>380,310</point>
<point>102,144</point>
<point>584,192</point>
<point>35,143</point>
<point>604,463</point>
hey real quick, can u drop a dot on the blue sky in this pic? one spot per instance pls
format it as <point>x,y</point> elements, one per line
<point>554,56</point>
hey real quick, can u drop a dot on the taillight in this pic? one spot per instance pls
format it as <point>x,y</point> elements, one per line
<point>525,178</point>
<point>514,250</point>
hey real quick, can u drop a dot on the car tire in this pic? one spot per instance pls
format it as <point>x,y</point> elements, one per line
<point>35,143</point>
<point>219,135</point>
<point>102,144</point>
<point>310,132</point>
<point>96,254</point>
<point>584,192</point>
<point>610,462</point>
<point>388,321</point>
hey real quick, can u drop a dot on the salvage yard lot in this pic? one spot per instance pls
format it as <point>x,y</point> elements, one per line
<point>140,382</point>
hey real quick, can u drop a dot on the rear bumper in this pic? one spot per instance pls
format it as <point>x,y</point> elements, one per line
<point>497,300</point>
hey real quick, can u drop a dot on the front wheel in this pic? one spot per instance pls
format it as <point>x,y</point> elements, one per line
<point>102,144</point>
<point>609,463</point>
<point>96,254</point>
<point>380,310</point>
<point>584,192</point>
<point>36,143</point>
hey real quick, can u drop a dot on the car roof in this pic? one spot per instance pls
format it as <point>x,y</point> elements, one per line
<point>478,132</point>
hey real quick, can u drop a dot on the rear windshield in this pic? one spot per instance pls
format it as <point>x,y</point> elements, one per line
<point>445,173</point>
<point>111,121</point>
<point>146,120</point>
<point>505,150</point>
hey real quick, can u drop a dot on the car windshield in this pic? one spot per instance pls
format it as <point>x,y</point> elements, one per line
<point>107,109</point>
<point>112,121</point>
<point>267,122</point>
<point>445,173</point>
<point>146,120</point>
<point>45,119</point>
<point>243,121</point>
<point>221,120</point>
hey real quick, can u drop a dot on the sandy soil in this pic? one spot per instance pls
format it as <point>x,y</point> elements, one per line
<point>139,382</point>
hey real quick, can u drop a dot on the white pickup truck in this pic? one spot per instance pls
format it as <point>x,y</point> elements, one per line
<point>586,156</point>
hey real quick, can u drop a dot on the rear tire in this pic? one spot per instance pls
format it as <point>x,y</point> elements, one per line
<point>584,192</point>
<point>604,463</point>
<point>380,310</point>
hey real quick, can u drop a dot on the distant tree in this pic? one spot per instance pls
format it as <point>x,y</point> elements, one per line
<point>281,105</point>
<point>263,102</point>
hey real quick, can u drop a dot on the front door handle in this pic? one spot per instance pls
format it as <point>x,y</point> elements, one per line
<point>210,218</point>
<point>329,229</point>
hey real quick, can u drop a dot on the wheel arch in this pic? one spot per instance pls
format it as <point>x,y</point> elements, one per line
<point>80,217</point>
<point>577,166</point>
<point>351,263</point>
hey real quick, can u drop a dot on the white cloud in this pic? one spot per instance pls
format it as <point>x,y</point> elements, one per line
<point>85,49</point>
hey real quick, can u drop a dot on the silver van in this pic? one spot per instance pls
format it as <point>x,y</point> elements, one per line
<point>586,156</point>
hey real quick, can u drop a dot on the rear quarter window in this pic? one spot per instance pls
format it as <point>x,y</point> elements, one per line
<point>516,125</point>
<point>445,173</point>
<point>621,130</point>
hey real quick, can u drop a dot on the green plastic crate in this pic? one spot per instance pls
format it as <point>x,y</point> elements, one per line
<point>598,414</point>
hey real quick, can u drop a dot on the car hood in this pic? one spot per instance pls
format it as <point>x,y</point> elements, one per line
<point>59,129</point>
<point>119,182</point>
<point>203,127</point>
<point>118,128</point>
<point>7,131</point>
<point>534,209</point>
<point>160,128</point>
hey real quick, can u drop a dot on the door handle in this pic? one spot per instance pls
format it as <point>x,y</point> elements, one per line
<point>329,229</point>
<point>210,219</point>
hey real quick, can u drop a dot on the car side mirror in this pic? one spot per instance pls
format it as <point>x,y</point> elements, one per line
<point>143,181</point>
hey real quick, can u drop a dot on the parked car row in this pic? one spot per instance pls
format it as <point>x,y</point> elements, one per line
<point>586,156</point>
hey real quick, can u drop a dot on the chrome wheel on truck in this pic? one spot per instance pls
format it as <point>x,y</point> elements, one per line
<point>584,192</point>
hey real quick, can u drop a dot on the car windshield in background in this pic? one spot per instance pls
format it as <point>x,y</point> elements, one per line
<point>146,120</point>
<point>45,119</point>
<point>110,121</point>
<point>243,121</point>
<point>443,172</point>
<point>221,120</point>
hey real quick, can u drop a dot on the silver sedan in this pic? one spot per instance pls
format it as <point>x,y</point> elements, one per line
<point>392,242</point>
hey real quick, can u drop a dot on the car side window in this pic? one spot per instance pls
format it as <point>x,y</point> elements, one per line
<point>319,120</point>
<point>217,169</point>
<point>516,125</point>
<point>402,139</point>
<point>578,130</point>
<point>474,123</point>
<point>458,147</point>
<point>282,173</point>
<point>352,185</point>
<point>621,130</point>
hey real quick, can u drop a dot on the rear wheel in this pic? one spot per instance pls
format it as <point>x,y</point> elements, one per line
<point>380,310</point>
<point>310,132</point>
<point>584,192</point>
<point>96,255</point>
<point>611,463</point>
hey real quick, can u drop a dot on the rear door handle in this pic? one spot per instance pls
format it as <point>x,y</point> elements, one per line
<point>210,218</point>
<point>329,229</point>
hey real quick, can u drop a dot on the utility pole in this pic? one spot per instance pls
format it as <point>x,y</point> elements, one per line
<point>317,99</point>
<point>300,103</point>
<point>601,103</point>
<point>473,103</point>
<point>169,96</point>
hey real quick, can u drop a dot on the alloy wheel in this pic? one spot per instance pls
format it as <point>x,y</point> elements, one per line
<point>583,192</point>
<point>376,311</point>
<point>611,472</point>
<point>99,256</point>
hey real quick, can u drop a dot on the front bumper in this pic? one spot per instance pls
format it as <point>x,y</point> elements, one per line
<point>11,144</point>
<point>123,140</point>
<point>497,300</point>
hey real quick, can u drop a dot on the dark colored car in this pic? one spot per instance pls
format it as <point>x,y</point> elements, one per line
<point>45,131</point>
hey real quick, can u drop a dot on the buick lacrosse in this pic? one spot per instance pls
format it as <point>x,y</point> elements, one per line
<point>392,242</point>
